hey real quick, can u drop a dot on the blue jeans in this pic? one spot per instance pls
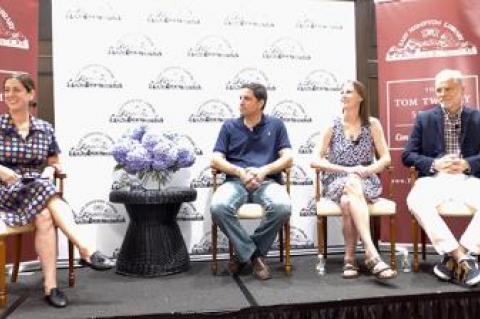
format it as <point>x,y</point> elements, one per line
<point>233,194</point>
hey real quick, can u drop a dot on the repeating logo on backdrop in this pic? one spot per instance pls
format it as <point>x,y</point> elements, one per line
<point>247,19</point>
<point>187,140</point>
<point>306,22</point>
<point>249,75</point>
<point>94,76</point>
<point>310,209</point>
<point>189,212</point>
<point>93,144</point>
<point>9,35</point>
<point>134,44</point>
<point>183,16</point>
<point>213,110</point>
<point>307,147</point>
<point>286,48</point>
<point>174,78</point>
<point>92,10</point>
<point>298,240</point>
<point>98,212</point>
<point>298,176</point>
<point>212,46</point>
<point>205,179</point>
<point>431,39</point>
<point>290,111</point>
<point>136,110</point>
<point>319,80</point>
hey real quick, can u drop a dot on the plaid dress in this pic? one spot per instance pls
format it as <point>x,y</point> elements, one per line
<point>21,201</point>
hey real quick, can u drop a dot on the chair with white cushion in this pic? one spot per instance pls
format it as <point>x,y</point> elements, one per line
<point>327,208</point>
<point>254,211</point>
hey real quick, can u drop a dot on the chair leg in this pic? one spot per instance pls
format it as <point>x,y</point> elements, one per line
<point>3,284</point>
<point>393,239</point>
<point>424,249</point>
<point>288,264</point>
<point>214,248</point>
<point>325,237</point>
<point>71,270</point>
<point>17,251</point>
<point>375,229</point>
<point>416,266</point>
<point>280,242</point>
<point>230,249</point>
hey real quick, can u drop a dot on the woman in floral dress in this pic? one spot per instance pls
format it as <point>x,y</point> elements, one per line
<point>346,151</point>
<point>28,161</point>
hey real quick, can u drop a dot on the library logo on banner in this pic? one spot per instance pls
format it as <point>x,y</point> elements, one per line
<point>136,110</point>
<point>183,16</point>
<point>306,22</point>
<point>134,44</point>
<point>247,19</point>
<point>307,147</point>
<point>298,176</point>
<point>249,75</point>
<point>212,46</point>
<point>94,76</point>
<point>174,78</point>
<point>205,179</point>
<point>431,39</point>
<point>188,212</point>
<point>92,10</point>
<point>204,246</point>
<point>310,209</point>
<point>286,48</point>
<point>98,212</point>
<point>213,110</point>
<point>9,35</point>
<point>319,80</point>
<point>290,111</point>
<point>93,144</point>
<point>298,239</point>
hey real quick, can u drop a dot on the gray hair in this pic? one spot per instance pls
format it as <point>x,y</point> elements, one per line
<point>448,74</point>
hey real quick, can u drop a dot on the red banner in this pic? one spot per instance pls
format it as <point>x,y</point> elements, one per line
<point>416,39</point>
<point>18,39</point>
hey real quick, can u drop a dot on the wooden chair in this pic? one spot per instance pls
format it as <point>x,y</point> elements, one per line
<point>254,211</point>
<point>450,209</point>
<point>327,208</point>
<point>17,233</point>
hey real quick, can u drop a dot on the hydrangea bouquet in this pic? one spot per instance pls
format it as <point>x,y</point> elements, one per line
<point>152,155</point>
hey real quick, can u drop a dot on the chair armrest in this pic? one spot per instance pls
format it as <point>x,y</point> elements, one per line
<point>413,175</point>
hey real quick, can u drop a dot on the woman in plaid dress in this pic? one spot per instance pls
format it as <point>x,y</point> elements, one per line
<point>28,161</point>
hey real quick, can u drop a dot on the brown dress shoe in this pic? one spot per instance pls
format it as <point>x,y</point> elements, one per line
<point>261,269</point>
<point>235,266</point>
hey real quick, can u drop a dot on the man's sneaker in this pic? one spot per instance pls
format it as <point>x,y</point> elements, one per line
<point>468,272</point>
<point>445,269</point>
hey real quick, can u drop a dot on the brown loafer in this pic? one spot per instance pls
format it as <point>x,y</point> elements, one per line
<point>261,269</point>
<point>235,266</point>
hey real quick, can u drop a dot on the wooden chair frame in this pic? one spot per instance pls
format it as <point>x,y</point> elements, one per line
<point>17,233</point>
<point>374,222</point>
<point>283,233</point>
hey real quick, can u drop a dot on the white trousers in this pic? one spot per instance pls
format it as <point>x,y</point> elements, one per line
<point>429,192</point>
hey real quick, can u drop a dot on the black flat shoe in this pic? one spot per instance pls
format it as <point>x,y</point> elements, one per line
<point>57,298</point>
<point>98,261</point>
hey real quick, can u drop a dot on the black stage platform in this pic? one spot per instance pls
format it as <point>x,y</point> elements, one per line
<point>198,294</point>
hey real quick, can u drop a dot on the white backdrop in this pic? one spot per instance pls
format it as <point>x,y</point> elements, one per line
<point>178,65</point>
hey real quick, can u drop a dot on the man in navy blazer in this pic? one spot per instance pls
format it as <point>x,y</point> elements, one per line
<point>444,147</point>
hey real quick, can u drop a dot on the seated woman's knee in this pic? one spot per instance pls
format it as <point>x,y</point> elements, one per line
<point>44,219</point>
<point>344,204</point>
<point>353,186</point>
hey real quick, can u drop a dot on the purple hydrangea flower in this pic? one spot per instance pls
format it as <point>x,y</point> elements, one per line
<point>164,156</point>
<point>150,139</point>
<point>137,132</point>
<point>137,160</point>
<point>121,149</point>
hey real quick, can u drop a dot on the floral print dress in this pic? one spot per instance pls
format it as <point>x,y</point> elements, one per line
<point>345,152</point>
<point>21,201</point>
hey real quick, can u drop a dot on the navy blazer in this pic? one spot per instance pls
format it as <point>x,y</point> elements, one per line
<point>427,142</point>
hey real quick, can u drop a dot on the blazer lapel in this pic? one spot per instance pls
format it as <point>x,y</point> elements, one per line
<point>465,116</point>
<point>439,122</point>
